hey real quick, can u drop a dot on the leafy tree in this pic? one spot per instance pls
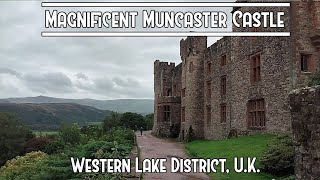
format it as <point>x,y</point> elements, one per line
<point>13,135</point>
<point>91,130</point>
<point>36,144</point>
<point>70,133</point>
<point>111,122</point>
<point>120,135</point>
<point>56,146</point>
<point>149,121</point>
<point>132,121</point>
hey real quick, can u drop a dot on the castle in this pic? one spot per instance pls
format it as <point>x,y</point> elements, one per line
<point>238,85</point>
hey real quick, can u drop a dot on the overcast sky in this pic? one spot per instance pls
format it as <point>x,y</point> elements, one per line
<point>98,68</point>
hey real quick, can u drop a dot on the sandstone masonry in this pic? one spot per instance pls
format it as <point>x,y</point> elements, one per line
<point>238,85</point>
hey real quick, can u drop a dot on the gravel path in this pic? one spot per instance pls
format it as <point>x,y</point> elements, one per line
<point>152,147</point>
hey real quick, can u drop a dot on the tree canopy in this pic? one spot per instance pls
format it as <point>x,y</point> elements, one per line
<point>13,134</point>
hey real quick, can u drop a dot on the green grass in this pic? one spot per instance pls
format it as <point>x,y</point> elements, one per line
<point>245,146</point>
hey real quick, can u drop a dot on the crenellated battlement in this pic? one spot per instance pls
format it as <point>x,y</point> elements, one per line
<point>192,44</point>
<point>218,47</point>
<point>160,66</point>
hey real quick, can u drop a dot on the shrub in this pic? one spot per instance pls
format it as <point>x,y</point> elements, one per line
<point>70,133</point>
<point>314,80</point>
<point>102,149</point>
<point>92,131</point>
<point>191,135</point>
<point>149,121</point>
<point>22,167</point>
<point>123,136</point>
<point>278,159</point>
<point>52,136</point>
<point>93,147</point>
<point>111,122</point>
<point>54,147</point>
<point>36,144</point>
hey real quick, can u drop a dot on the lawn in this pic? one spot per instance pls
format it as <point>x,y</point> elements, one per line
<point>246,146</point>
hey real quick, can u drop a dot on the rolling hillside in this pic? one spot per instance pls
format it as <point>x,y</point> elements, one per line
<point>143,106</point>
<point>47,116</point>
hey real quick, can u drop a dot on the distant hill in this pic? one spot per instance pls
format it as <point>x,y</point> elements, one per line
<point>4,101</point>
<point>143,106</point>
<point>47,116</point>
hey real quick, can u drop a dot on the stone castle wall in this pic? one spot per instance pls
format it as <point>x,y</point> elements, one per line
<point>214,55</point>
<point>274,85</point>
<point>192,82</point>
<point>305,112</point>
<point>280,66</point>
<point>306,38</point>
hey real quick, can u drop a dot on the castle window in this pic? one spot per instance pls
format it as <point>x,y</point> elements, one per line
<point>256,114</point>
<point>223,60</point>
<point>183,116</point>
<point>305,62</point>
<point>169,92</point>
<point>191,68</point>
<point>209,90</point>
<point>255,64</point>
<point>208,115</point>
<point>209,68</point>
<point>166,113</point>
<point>183,92</point>
<point>223,113</point>
<point>223,85</point>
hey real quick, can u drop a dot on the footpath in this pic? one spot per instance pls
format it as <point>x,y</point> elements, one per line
<point>151,147</point>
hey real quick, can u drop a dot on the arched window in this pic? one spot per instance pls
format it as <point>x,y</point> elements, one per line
<point>191,68</point>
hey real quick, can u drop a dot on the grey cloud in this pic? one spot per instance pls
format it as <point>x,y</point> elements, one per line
<point>48,82</point>
<point>104,85</point>
<point>82,76</point>
<point>107,68</point>
<point>9,71</point>
<point>128,82</point>
<point>122,88</point>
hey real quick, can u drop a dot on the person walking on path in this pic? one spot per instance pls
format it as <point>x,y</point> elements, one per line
<point>141,129</point>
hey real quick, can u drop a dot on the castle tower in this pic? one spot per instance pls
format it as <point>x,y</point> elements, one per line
<point>167,101</point>
<point>192,98</point>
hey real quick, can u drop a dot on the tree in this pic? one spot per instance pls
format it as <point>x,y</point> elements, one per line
<point>132,121</point>
<point>149,121</point>
<point>36,144</point>
<point>70,133</point>
<point>13,135</point>
<point>111,122</point>
<point>92,130</point>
